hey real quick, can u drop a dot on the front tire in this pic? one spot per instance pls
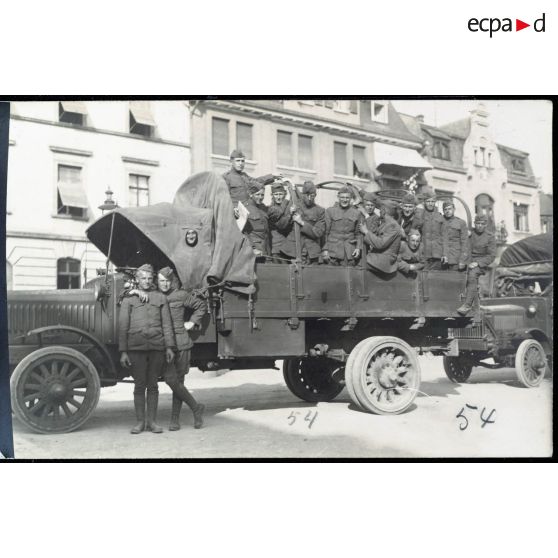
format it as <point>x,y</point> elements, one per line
<point>54,390</point>
<point>530,363</point>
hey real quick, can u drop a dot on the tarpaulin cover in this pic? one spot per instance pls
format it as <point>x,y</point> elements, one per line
<point>530,250</point>
<point>156,234</point>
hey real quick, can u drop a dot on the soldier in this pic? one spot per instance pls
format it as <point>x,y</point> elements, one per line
<point>384,243</point>
<point>455,239</point>
<point>369,200</point>
<point>257,225</point>
<point>432,231</point>
<point>187,311</point>
<point>409,218</point>
<point>343,244</point>
<point>483,252</point>
<point>145,338</point>
<point>411,254</point>
<point>239,182</point>
<point>280,222</point>
<point>311,218</point>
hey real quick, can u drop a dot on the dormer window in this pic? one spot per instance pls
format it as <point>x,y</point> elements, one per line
<point>379,111</point>
<point>518,164</point>
<point>440,150</point>
<point>72,112</point>
<point>141,119</point>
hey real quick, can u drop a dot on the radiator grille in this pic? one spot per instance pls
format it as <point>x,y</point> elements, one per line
<point>25,316</point>
<point>475,332</point>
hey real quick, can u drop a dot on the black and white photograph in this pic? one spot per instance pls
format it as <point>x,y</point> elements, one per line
<point>280,277</point>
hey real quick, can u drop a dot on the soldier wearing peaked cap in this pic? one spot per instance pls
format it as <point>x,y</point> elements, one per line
<point>257,225</point>
<point>145,339</point>
<point>483,251</point>
<point>280,222</point>
<point>431,230</point>
<point>311,218</point>
<point>410,218</point>
<point>455,239</point>
<point>238,181</point>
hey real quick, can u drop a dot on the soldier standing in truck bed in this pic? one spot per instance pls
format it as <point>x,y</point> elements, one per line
<point>311,218</point>
<point>431,231</point>
<point>483,251</point>
<point>409,217</point>
<point>280,222</point>
<point>257,225</point>
<point>145,339</point>
<point>455,239</point>
<point>238,181</point>
<point>343,241</point>
<point>369,201</point>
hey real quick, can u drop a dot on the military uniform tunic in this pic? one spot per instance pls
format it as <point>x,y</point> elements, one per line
<point>455,241</point>
<point>483,252</point>
<point>342,233</point>
<point>432,234</point>
<point>415,221</point>
<point>257,226</point>
<point>239,182</point>
<point>407,257</point>
<point>384,245</point>
<point>311,233</point>
<point>280,224</point>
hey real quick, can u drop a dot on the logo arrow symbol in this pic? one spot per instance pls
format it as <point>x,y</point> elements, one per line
<point>519,25</point>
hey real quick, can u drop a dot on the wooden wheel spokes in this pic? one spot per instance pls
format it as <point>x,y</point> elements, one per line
<point>533,364</point>
<point>386,376</point>
<point>530,363</point>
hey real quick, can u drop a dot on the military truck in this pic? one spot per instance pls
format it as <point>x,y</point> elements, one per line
<point>333,327</point>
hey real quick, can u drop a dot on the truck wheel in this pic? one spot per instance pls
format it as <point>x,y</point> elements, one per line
<point>310,379</point>
<point>530,363</point>
<point>383,375</point>
<point>457,369</point>
<point>54,390</point>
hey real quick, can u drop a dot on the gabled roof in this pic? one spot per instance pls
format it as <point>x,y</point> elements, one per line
<point>458,128</point>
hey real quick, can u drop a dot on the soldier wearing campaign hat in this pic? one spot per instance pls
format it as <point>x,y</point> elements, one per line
<point>343,240</point>
<point>257,224</point>
<point>311,218</point>
<point>410,218</point>
<point>238,181</point>
<point>432,222</point>
<point>455,239</point>
<point>145,339</point>
<point>280,221</point>
<point>483,251</point>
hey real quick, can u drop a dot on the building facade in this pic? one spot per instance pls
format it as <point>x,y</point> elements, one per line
<point>62,158</point>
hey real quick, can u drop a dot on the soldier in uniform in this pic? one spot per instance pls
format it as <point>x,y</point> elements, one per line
<point>257,225</point>
<point>145,339</point>
<point>384,243</point>
<point>238,181</point>
<point>311,218</point>
<point>409,218</point>
<point>483,251</point>
<point>343,241</point>
<point>455,239</point>
<point>432,231</point>
<point>280,222</point>
<point>411,254</point>
<point>369,200</point>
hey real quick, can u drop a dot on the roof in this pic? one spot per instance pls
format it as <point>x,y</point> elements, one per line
<point>458,128</point>
<point>546,202</point>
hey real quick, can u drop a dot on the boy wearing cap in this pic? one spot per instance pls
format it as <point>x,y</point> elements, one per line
<point>483,251</point>
<point>145,339</point>
<point>411,256</point>
<point>257,225</point>
<point>343,241</point>
<point>455,239</point>
<point>431,231</point>
<point>311,218</point>
<point>238,181</point>
<point>280,222</point>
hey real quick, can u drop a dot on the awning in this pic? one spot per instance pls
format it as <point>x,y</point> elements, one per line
<point>395,156</point>
<point>74,106</point>
<point>73,194</point>
<point>142,113</point>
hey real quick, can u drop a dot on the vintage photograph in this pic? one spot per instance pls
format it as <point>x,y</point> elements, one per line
<point>280,278</point>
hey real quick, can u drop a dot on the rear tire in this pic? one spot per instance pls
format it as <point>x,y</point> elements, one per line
<point>310,379</point>
<point>458,369</point>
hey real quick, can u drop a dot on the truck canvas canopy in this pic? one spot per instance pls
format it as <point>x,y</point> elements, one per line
<point>157,234</point>
<point>531,256</point>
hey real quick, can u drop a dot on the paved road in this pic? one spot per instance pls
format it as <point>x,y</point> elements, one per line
<point>248,416</point>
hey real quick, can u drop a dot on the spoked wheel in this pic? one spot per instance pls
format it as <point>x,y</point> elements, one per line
<point>458,369</point>
<point>383,375</point>
<point>530,363</point>
<point>312,379</point>
<point>54,390</point>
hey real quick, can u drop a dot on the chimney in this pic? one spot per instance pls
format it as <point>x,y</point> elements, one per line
<point>420,118</point>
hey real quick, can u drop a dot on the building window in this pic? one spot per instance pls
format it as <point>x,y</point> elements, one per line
<point>71,199</point>
<point>361,169</point>
<point>285,154</point>
<point>379,112</point>
<point>518,165</point>
<point>340,158</point>
<point>139,190</point>
<point>489,160</point>
<point>141,119</point>
<point>72,112</point>
<point>244,139</point>
<point>521,217</point>
<point>440,150</point>
<point>219,136</point>
<point>68,275</point>
<point>305,152</point>
<point>9,276</point>
<point>441,197</point>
